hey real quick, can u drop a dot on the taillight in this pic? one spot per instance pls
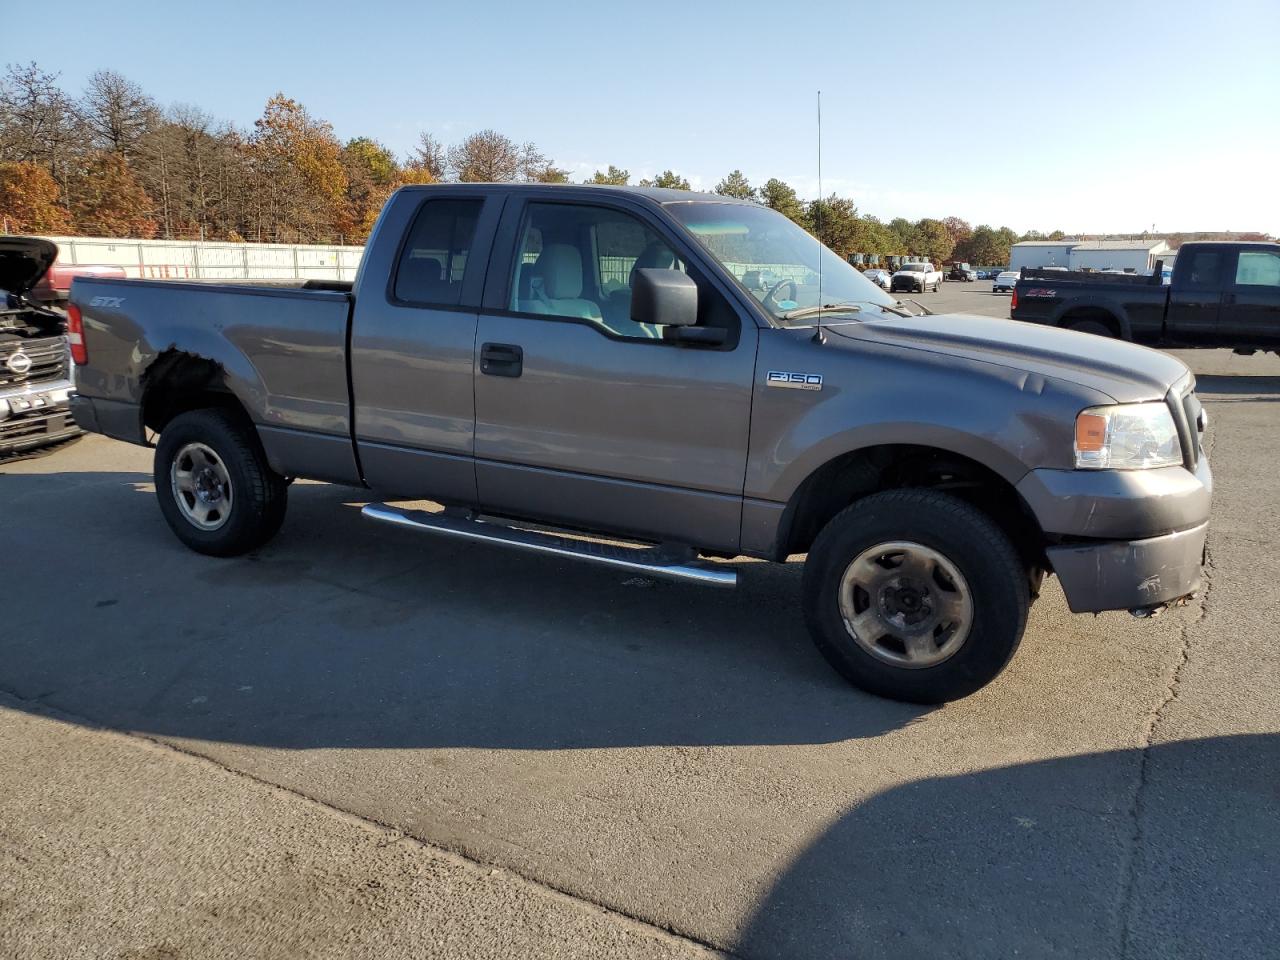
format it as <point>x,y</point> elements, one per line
<point>75,336</point>
<point>1013,301</point>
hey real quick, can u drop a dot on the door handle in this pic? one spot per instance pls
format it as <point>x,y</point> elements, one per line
<point>501,360</point>
<point>1228,298</point>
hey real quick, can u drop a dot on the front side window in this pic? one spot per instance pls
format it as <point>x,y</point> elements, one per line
<point>781,265</point>
<point>1204,272</point>
<point>434,261</point>
<point>1258,268</point>
<point>578,262</point>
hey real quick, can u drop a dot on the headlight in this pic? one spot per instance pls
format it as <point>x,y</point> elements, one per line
<point>1127,436</point>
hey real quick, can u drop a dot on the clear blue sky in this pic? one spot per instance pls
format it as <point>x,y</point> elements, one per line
<point>1071,114</point>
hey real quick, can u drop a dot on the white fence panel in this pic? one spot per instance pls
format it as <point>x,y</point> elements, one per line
<point>213,260</point>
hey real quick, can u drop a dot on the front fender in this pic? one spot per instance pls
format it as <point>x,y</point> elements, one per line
<point>1008,420</point>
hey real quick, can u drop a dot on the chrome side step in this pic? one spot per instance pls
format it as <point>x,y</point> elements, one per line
<point>654,561</point>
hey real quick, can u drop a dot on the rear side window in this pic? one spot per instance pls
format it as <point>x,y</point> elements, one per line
<point>436,253</point>
<point>1258,268</point>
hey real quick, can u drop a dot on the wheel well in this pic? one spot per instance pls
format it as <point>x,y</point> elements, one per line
<point>1098,314</point>
<point>179,382</point>
<point>839,482</point>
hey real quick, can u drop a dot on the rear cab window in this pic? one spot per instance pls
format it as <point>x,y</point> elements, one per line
<point>436,253</point>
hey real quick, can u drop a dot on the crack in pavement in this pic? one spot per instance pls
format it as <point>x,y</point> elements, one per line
<point>388,833</point>
<point>1137,807</point>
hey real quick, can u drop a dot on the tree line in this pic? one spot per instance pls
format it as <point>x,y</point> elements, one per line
<point>114,162</point>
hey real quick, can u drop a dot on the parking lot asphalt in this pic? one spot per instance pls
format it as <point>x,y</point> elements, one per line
<point>362,742</point>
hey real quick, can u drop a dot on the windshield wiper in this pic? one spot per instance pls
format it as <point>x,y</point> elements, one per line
<point>847,306</point>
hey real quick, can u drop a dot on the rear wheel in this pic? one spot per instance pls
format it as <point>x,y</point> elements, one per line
<point>1096,327</point>
<point>215,488</point>
<point>915,595</point>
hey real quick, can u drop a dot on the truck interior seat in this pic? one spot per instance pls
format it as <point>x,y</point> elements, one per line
<point>555,284</point>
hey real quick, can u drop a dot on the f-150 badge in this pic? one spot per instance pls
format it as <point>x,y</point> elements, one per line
<point>794,381</point>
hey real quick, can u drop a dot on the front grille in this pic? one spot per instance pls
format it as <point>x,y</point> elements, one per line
<point>48,356</point>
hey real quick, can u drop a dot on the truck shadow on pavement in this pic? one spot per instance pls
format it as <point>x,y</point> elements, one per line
<point>343,633</point>
<point>1221,388</point>
<point>1171,854</point>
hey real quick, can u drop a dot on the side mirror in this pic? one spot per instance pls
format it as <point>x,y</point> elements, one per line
<point>666,298</point>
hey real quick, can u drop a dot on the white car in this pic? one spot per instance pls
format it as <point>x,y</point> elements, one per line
<point>916,278</point>
<point>1005,280</point>
<point>879,277</point>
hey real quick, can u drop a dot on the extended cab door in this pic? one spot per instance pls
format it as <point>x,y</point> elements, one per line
<point>587,418</point>
<point>413,339</point>
<point>1251,305</point>
<point>1195,296</point>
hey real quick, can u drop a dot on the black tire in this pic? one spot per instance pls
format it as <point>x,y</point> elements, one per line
<point>258,495</point>
<point>965,537</point>
<point>1097,328</point>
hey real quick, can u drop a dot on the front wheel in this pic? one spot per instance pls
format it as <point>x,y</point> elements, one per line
<point>915,595</point>
<point>215,488</point>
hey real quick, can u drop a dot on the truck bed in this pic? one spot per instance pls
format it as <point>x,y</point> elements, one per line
<point>282,347</point>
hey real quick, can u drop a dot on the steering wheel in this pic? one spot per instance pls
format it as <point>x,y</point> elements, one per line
<point>772,294</point>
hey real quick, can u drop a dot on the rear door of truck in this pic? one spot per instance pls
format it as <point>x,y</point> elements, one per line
<point>413,340</point>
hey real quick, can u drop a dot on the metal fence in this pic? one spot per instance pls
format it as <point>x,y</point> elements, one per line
<point>206,260</point>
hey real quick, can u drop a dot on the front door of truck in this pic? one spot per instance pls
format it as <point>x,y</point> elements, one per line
<point>1251,306</point>
<point>412,345</point>
<point>587,418</point>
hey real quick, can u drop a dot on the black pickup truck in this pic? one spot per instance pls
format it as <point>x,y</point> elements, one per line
<point>1223,294</point>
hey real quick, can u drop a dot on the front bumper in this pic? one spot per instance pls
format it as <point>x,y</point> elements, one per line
<point>1130,574</point>
<point>1125,539</point>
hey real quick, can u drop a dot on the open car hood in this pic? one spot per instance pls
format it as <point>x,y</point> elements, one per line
<point>23,261</point>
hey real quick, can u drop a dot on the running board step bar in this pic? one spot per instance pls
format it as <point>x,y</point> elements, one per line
<point>654,561</point>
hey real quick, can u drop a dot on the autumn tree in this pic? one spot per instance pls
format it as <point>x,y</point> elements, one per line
<point>834,221</point>
<point>29,200</point>
<point>779,196</point>
<point>486,157</point>
<point>932,240</point>
<point>614,176</point>
<point>736,185</point>
<point>372,174</point>
<point>429,156</point>
<point>299,180</point>
<point>117,113</point>
<point>957,229</point>
<point>109,200</point>
<point>668,179</point>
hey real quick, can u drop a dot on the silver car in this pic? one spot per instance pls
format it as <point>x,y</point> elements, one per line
<point>879,277</point>
<point>1005,281</point>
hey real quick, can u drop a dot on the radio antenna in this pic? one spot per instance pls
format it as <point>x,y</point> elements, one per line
<point>818,335</point>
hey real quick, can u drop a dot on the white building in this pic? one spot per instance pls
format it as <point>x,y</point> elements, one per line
<point>1133,256</point>
<point>1041,253</point>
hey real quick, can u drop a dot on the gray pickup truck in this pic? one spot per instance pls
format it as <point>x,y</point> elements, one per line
<point>693,375</point>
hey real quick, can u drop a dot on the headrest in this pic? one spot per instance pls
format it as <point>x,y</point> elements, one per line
<point>560,268</point>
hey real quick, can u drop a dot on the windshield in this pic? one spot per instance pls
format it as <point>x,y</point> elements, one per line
<point>775,260</point>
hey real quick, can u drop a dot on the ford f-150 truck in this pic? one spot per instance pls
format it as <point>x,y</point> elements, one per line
<point>35,370</point>
<point>689,373</point>
<point>1222,294</point>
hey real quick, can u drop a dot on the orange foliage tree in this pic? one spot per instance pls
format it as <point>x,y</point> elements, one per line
<point>29,200</point>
